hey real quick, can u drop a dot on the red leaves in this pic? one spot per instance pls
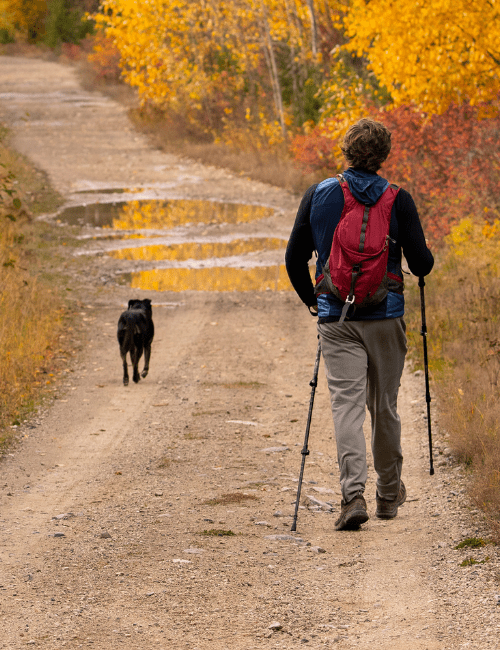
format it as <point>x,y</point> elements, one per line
<point>450,163</point>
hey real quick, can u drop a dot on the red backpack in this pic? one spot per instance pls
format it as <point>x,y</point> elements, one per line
<point>356,270</point>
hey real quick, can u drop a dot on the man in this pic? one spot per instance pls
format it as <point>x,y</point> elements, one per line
<point>363,347</point>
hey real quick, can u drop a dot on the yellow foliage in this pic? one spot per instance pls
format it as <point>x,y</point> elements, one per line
<point>432,53</point>
<point>205,59</point>
<point>24,16</point>
<point>478,241</point>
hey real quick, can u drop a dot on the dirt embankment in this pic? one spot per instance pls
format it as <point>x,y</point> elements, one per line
<point>111,503</point>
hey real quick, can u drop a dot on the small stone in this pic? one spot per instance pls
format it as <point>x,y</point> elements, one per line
<point>323,490</point>
<point>273,450</point>
<point>193,550</point>
<point>278,513</point>
<point>284,538</point>
<point>262,523</point>
<point>275,626</point>
<point>158,494</point>
<point>317,549</point>
<point>105,535</point>
<point>59,535</point>
<point>65,515</point>
<point>150,593</point>
<point>312,501</point>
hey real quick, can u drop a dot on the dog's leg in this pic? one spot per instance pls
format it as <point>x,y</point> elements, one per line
<point>135,356</point>
<point>125,369</point>
<point>147,356</point>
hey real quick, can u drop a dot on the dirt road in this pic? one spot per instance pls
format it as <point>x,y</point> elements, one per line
<point>158,515</point>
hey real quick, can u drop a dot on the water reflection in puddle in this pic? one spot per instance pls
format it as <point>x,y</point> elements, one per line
<point>243,263</point>
<point>161,215</point>
<point>199,251</point>
<point>261,278</point>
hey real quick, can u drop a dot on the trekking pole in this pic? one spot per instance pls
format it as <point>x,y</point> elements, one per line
<point>423,332</point>
<point>305,451</point>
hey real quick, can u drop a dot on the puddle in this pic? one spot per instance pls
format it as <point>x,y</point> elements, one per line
<point>199,251</point>
<point>161,214</point>
<point>183,260</point>
<point>260,278</point>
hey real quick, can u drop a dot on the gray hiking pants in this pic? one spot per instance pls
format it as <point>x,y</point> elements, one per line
<point>364,362</point>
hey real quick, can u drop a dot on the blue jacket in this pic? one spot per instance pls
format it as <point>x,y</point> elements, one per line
<point>318,216</point>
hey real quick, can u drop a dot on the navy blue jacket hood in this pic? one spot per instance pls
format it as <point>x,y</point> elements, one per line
<point>366,187</point>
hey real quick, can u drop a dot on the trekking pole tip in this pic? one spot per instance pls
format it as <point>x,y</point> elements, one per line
<point>431,471</point>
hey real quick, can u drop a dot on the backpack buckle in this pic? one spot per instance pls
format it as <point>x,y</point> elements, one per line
<point>345,308</point>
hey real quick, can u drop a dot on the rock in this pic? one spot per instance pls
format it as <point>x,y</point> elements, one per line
<point>278,513</point>
<point>323,490</point>
<point>65,515</point>
<point>193,550</point>
<point>59,535</point>
<point>312,501</point>
<point>158,494</point>
<point>262,523</point>
<point>272,450</point>
<point>317,549</point>
<point>105,535</point>
<point>275,626</point>
<point>284,538</point>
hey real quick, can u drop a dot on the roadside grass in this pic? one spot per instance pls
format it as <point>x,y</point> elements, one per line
<point>463,321</point>
<point>472,542</point>
<point>32,309</point>
<point>226,499</point>
<point>247,159</point>
<point>218,532</point>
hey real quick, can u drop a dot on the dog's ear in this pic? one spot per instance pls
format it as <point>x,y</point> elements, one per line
<point>147,302</point>
<point>132,303</point>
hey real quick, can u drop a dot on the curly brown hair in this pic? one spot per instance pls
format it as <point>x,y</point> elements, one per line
<point>366,145</point>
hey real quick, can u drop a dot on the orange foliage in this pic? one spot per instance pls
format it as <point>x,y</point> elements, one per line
<point>450,163</point>
<point>105,58</point>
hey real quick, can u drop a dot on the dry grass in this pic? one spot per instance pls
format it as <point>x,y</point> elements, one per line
<point>32,311</point>
<point>463,318</point>
<point>226,499</point>
<point>275,168</point>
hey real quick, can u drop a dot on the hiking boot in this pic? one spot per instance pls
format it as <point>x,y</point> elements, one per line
<point>352,513</point>
<point>389,509</point>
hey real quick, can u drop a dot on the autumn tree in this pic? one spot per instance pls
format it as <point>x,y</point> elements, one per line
<point>429,54</point>
<point>256,62</point>
<point>26,17</point>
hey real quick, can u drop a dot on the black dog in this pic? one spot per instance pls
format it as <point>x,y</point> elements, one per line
<point>135,335</point>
